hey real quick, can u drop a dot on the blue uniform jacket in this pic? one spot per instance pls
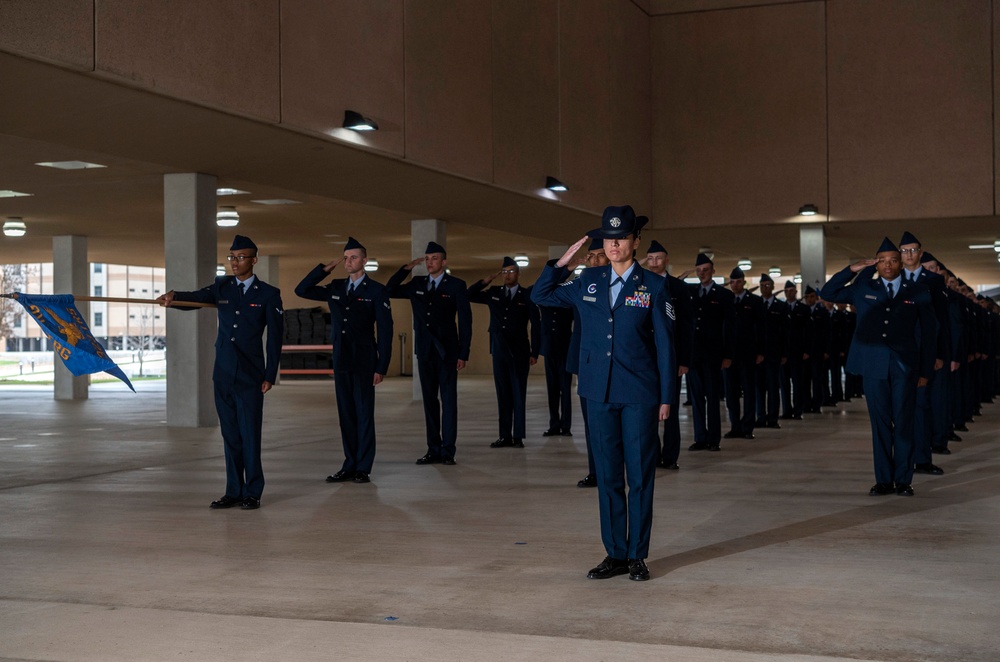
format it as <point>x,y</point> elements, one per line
<point>434,315</point>
<point>360,326</point>
<point>714,337</point>
<point>776,329</point>
<point>626,353</point>
<point>886,328</point>
<point>556,330</point>
<point>748,327</point>
<point>509,321</point>
<point>239,352</point>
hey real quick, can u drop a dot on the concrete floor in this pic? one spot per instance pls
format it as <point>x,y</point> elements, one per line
<point>770,550</point>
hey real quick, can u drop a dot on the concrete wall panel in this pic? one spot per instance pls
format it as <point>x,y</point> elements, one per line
<point>911,128</point>
<point>60,31</point>
<point>739,114</point>
<point>449,106</point>
<point>339,55</point>
<point>525,92</point>
<point>631,120</point>
<point>222,54</point>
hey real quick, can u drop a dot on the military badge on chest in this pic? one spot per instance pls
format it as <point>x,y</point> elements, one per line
<point>638,300</point>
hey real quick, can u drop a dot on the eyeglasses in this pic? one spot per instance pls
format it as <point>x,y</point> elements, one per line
<point>508,271</point>
<point>239,258</point>
<point>909,251</point>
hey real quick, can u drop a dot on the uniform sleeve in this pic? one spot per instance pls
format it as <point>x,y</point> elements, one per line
<point>477,293</point>
<point>464,323</point>
<point>395,287</point>
<point>683,324</point>
<point>309,287</point>
<point>207,294</point>
<point>664,316</point>
<point>383,328</point>
<point>928,340</point>
<point>535,318</point>
<point>550,290</point>
<point>835,289</point>
<point>275,316</point>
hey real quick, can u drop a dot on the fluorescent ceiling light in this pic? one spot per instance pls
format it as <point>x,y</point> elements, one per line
<point>371,265</point>
<point>808,210</point>
<point>774,272</point>
<point>220,270</point>
<point>277,201</point>
<point>14,227</point>
<point>554,184</point>
<point>230,191</point>
<point>521,260</point>
<point>70,165</point>
<point>227,217</point>
<point>7,193</point>
<point>355,121</point>
<point>745,264</point>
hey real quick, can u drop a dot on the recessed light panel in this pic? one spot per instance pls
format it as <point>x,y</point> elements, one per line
<point>277,201</point>
<point>7,193</point>
<point>230,191</point>
<point>70,165</point>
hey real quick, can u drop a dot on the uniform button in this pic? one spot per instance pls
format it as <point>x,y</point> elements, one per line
<point>886,322</point>
<point>886,310</point>
<point>347,307</point>
<point>233,338</point>
<point>237,312</point>
<point>609,336</point>
<point>235,325</point>
<point>343,331</point>
<point>883,335</point>
<point>609,353</point>
<point>611,319</point>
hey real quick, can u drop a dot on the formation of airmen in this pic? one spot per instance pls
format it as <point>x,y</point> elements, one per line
<point>900,329</point>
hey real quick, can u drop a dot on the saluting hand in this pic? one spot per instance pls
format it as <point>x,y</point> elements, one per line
<point>489,279</point>
<point>571,251</point>
<point>330,266</point>
<point>414,263</point>
<point>858,266</point>
<point>685,274</point>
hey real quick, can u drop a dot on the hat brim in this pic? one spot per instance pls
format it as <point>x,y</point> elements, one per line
<point>601,233</point>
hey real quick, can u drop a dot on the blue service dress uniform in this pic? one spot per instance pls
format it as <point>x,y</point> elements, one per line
<point>439,345</point>
<point>627,370</point>
<point>795,380</point>
<point>680,296</point>
<point>890,357</point>
<point>361,335</point>
<point>512,348</point>
<point>775,352</point>
<point>557,329</point>
<point>240,370</point>
<point>818,347</point>
<point>713,342</point>
<point>741,376</point>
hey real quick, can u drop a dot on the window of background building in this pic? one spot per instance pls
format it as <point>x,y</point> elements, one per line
<point>98,290</point>
<point>98,268</point>
<point>98,319</point>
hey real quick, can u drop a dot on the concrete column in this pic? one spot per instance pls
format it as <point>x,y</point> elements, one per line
<point>267,270</point>
<point>70,275</point>
<point>812,256</point>
<point>189,240</point>
<point>556,251</point>
<point>421,232</point>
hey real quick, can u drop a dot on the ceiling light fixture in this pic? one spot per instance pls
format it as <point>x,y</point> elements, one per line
<point>554,184</point>
<point>521,260</point>
<point>220,270</point>
<point>371,265</point>
<point>277,201</point>
<point>230,191</point>
<point>355,121</point>
<point>14,227</point>
<point>797,279</point>
<point>745,264</point>
<point>808,210</point>
<point>227,217</point>
<point>774,272</point>
<point>7,193</point>
<point>70,165</point>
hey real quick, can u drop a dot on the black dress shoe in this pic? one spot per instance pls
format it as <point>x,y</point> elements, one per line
<point>637,570</point>
<point>517,442</point>
<point>904,490</point>
<point>749,435</point>
<point>225,502</point>
<point>566,432</point>
<point>928,468</point>
<point>448,459</point>
<point>732,434</point>
<point>428,459</point>
<point>502,443</point>
<point>714,448</point>
<point>250,503</point>
<point>940,450</point>
<point>961,428</point>
<point>361,477</point>
<point>796,417</point>
<point>698,446</point>
<point>609,567</point>
<point>589,481</point>
<point>552,432</point>
<point>665,465</point>
<point>340,477</point>
<point>954,437</point>
<point>880,489</point>
<point>774,426</point>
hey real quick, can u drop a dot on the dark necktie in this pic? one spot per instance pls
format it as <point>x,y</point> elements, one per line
<point>913,276</point>
<point>889,285</point>
<point>433,287</point>
<point>350,287</point>
<point>242,288</point>
<point>509,296</point>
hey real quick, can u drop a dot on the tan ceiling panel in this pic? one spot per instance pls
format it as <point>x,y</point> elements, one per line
<point>339,55</point>
<point>585,121</point>
<point>54,30</point>
<point>222,54</point>
<point>525,92</point>
<point>631,121</point>
<point>660,7</point>
<point>449,101</point>
<point>739,108</point>
<point>911,129</point>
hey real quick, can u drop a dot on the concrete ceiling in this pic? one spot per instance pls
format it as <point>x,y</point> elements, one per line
<point>51,114</point>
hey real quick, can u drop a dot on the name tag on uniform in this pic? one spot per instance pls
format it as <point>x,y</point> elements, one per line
<point>871,296</point>
<point>638,300</point>
<point>335,297</point>
<point>586,298</point>
<point>222,301</point>
<point>495,298</point>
